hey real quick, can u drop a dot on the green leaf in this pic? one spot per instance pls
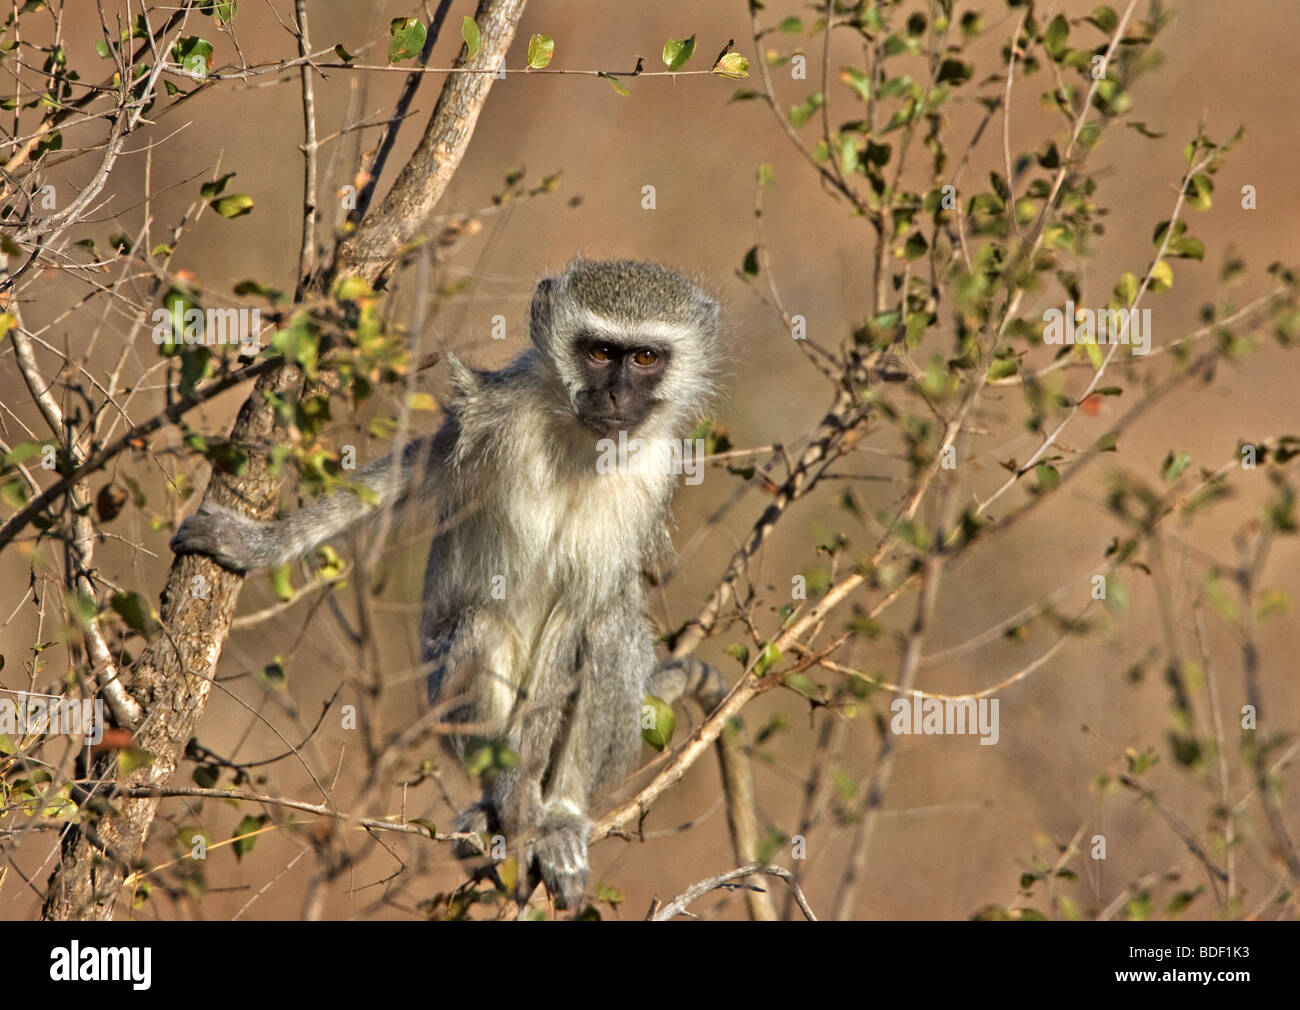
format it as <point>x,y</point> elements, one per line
<point>82,608</point>
<point>1111,98</point>
<point>1162,277</point>
<point>1145,130</point>
<point>732,65</point>
<point>749,268</point>
<point>210,190</point>
<point>299,342</point>
<point>233,206</point>
<point>1219,597</point>
<point>1179,902</point>
<point>1105,18</point>
<point>352,289</point>
<point>343,54</point>
<point>1174,465</point>
<point>206,776</point>
<point>540,50</point>
<point>658,733</point>
<point>472,36</point>
<point>272,675</point>
<point>1162,229</point>
<point>1002,367</point>
<point>803,684</point>
<point>955,72</point>
<point>131,758</point>
<point>738,652</point>
<point>282,582</point>
<point>1054,39</point>
<point>858,81</point>
<point>246,833</point>
<point>791,25</point>
<point>800,114</point>
<point>223,11</point>
<point>1198,190</point>
<point>405,38</point>
<point>136,613</point>
<point>1272,603</point>
<point>23,451</point>
<point>917,323</point>
<point>1048,477</point>
<point>192,53</point>
<point>678,51</point>
<point>14,494</point>
<point>848,145</point>
<point>244,288</point>
<point>616,84</point>
<point>1186,248</point>
<point>767,658</point>
<point>1126,291</point>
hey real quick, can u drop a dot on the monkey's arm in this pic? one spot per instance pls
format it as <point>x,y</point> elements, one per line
<point>245,545</point>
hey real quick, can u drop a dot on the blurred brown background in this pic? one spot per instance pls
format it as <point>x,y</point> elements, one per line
<point>963,820</point>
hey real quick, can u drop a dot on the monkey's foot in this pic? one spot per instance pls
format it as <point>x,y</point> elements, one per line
<point>560,852</point>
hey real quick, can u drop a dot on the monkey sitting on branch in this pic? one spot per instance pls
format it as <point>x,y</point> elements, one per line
<point>558,664</point>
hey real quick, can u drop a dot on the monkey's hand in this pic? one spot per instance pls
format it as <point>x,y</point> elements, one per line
<point>474,820</point>
<point>561,855</point>
<point>231,540</point>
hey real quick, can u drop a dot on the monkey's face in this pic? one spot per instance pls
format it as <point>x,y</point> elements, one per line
<point>618,392</point>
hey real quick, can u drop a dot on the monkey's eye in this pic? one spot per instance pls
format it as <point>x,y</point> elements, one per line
<point>599,352</point>
<point>645,357</point>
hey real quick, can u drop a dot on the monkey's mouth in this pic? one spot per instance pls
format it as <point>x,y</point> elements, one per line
<point>606,425</point>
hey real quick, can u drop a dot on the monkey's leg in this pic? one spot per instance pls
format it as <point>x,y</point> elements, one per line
<point>471,663</point>
<point>599,745</point>
<point>475,660</point>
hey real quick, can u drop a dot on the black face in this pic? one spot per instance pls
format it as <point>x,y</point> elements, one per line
<point>621,379</point>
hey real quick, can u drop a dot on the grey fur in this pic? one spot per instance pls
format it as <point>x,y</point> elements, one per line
<point>559,666</point>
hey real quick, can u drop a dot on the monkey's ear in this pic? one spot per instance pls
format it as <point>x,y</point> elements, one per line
<point>464,380</point>
<point>712,314</point>
<point>539,315</point>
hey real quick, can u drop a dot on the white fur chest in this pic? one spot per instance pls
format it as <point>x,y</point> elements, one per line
<point>577,528</point>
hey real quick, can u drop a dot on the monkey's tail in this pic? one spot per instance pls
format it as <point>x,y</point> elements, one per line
<point>689,677</point>
<point>679,678</point>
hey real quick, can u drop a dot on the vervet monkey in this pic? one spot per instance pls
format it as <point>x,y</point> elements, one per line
<point>558,659</point>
